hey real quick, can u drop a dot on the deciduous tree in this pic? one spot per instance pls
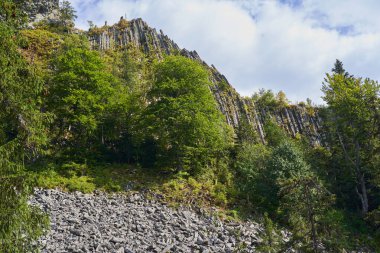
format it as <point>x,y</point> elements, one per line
<point>182,115</point>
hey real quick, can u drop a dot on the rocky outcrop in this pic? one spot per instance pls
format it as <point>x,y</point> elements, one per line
<point>133,223</point>
<point>38,10</point>
<point>135,32</point>
<point>294,119</point>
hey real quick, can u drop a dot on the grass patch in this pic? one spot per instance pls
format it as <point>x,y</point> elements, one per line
<point>189,191</point>
<point>86,178</point>
<point>178,189</point>
<point>51,179</point>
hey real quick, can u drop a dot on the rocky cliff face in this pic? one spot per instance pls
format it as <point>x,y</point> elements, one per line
<point>136,32</point>
<point>294,119</point>
<point>38,10</point>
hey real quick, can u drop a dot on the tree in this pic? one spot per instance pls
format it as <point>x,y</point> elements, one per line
<point>274,134</point>
<point>282,100</point>
<point>303,198</point>
<point>182,115</point>
<point>272,240</point>
<point>246,132</point>
<point>121,126</point>
<point>66,16</point>
<point>338,68</point>
<point>22,139</point>
<point>253,180</point>
<point>353,120</point>
<point>80,91</point>
<point>265,99</point>
<point>306,201</point>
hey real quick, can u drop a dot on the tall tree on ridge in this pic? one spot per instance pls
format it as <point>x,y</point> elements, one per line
<point>354,120</point>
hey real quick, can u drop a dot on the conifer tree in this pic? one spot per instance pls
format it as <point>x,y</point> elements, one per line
<point>66,16</point>
<point>338,68</point>
<point>303,198</point>
<point>22,137</point>
<point>353,123</point>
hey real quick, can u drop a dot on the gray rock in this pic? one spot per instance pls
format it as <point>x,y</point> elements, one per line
<point>130,224</point>
<point>76,232</point>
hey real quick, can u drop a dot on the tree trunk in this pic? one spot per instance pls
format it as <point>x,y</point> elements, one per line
<point>360,177</point>
<point>361,181</point>
<point>363,194</point>
<point>314,234</point>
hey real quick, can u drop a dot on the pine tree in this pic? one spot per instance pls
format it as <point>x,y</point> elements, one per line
<point>272,241</point>
<point>353,123</point>
<point>66,16</point>
<point>303,198</point>
<point>338,68</point>
<point>22,132</point>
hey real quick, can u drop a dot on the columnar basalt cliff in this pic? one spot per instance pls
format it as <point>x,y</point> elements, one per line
<point>136,32</point>
<point>294,119</point>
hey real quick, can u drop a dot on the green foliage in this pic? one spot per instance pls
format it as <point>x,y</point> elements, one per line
<point>303,198</point>
<point>52,179</point>
<point>20,224</point>
<point>271,238</point>
<point>11,13</point>
<point>67,15</point>
<point>282,100</point>
<point>287,161</point>
<point>40,44</point>
<point>279,180</point>
<point>182,116</point>
<point>122,24</point>
<point>246,132</point>
<point>274,134</point>
<point>80,94</point>
<point>201,191</point>
<point>22,138</point>
<point>306,202</point>
<point>122,130</point>
<point>265,98</point>
<point>338,69</point>
<point>353,122</point>
<point>68,109</point>
<point>310,109</point>
<point>254,182</point>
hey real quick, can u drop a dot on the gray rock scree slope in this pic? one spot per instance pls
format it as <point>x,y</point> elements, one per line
<point>132,223</point>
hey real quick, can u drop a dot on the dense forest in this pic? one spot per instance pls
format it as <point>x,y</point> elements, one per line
<point>83,119</point>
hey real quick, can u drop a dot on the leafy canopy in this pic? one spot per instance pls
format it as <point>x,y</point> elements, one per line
<point>182,115</point>
<point>80,92</point>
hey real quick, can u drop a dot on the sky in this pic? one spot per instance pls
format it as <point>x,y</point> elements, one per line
<point>286,45</point>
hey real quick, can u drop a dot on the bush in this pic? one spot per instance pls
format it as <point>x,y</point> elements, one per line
<point>252,179</point>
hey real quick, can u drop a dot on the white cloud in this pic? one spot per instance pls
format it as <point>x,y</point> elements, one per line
<point>261,43</point>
